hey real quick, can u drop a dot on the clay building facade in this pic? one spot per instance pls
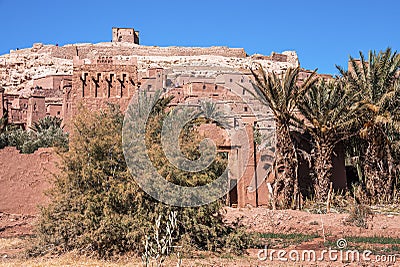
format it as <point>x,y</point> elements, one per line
<point>22,111</point>
<point>53,83</point>
<point>250,162</point>
<point>304,74</point>
<point>100,81</point>
<point>3,104</point>
<point>97,82</point>
<point>45,99</point>
<point>17,109</point>
<point>36,110</point>
<point>103,80</point>
<point>110,73</point>
<point>54,107</point>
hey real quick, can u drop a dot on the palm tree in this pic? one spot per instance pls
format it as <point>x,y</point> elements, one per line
<point>330,110</point>
<point>46,123</point>
<point>212,113</point>
<point>281,95</point>
<point>377,79</point>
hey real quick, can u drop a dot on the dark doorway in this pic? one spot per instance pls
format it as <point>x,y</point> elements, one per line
<point>233,194</point>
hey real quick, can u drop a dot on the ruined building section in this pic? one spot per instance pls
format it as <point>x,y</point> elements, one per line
<point>249,163</point>
<point>100,81</point>
<point>36,110</point>
<point>125,35</point>
<point>23,111</point>
<point>52,87</point>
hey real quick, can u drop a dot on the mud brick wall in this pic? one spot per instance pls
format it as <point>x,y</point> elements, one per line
<point>94,51</point>
<point>24,178</point>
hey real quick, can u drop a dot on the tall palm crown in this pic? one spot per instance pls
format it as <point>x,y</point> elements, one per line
<point>281,94</point>
<point>331,111</point>
<point>377,79</point>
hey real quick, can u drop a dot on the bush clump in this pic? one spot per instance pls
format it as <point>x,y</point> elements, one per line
<point>97,207</point>
<point>47,132</point>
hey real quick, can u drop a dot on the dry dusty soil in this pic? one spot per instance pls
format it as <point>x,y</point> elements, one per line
<point>286,230</point>
<point>296,233</point>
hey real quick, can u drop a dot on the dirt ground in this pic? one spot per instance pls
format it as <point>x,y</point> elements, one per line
<point>14,227</point>
<point>331,225</point>
<point>24,178</point>
<point>22,191</point>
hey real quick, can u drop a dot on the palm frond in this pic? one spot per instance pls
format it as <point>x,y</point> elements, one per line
<point>281,94</point>
<point>332,110</point>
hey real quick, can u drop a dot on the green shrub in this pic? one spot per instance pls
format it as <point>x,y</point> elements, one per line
<point>17,137</point>
<point>47,132</point>
<point>3,140</point>
<point>97,207</point>
<point>47,123</point>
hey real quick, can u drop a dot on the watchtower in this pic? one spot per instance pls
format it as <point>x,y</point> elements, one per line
<point>125,35</point>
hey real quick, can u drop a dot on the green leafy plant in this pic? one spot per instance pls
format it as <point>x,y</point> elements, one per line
<point>46,132</point>
<point>281,95</point>
<point>331,111</point>
<point>98,208</point>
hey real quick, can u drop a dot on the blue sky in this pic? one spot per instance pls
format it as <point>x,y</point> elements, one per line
<point>323,33</point>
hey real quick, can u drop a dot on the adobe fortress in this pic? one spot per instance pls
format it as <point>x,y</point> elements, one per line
<point>53,80</point>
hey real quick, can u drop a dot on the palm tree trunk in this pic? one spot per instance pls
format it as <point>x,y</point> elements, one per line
<point>378,176</point>
<point>286,162</point>
<point>323,170</point>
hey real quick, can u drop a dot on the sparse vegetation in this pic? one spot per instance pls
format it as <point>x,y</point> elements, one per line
<point>46,132</point>
<point>279,239</point>
<point>359,215</point>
